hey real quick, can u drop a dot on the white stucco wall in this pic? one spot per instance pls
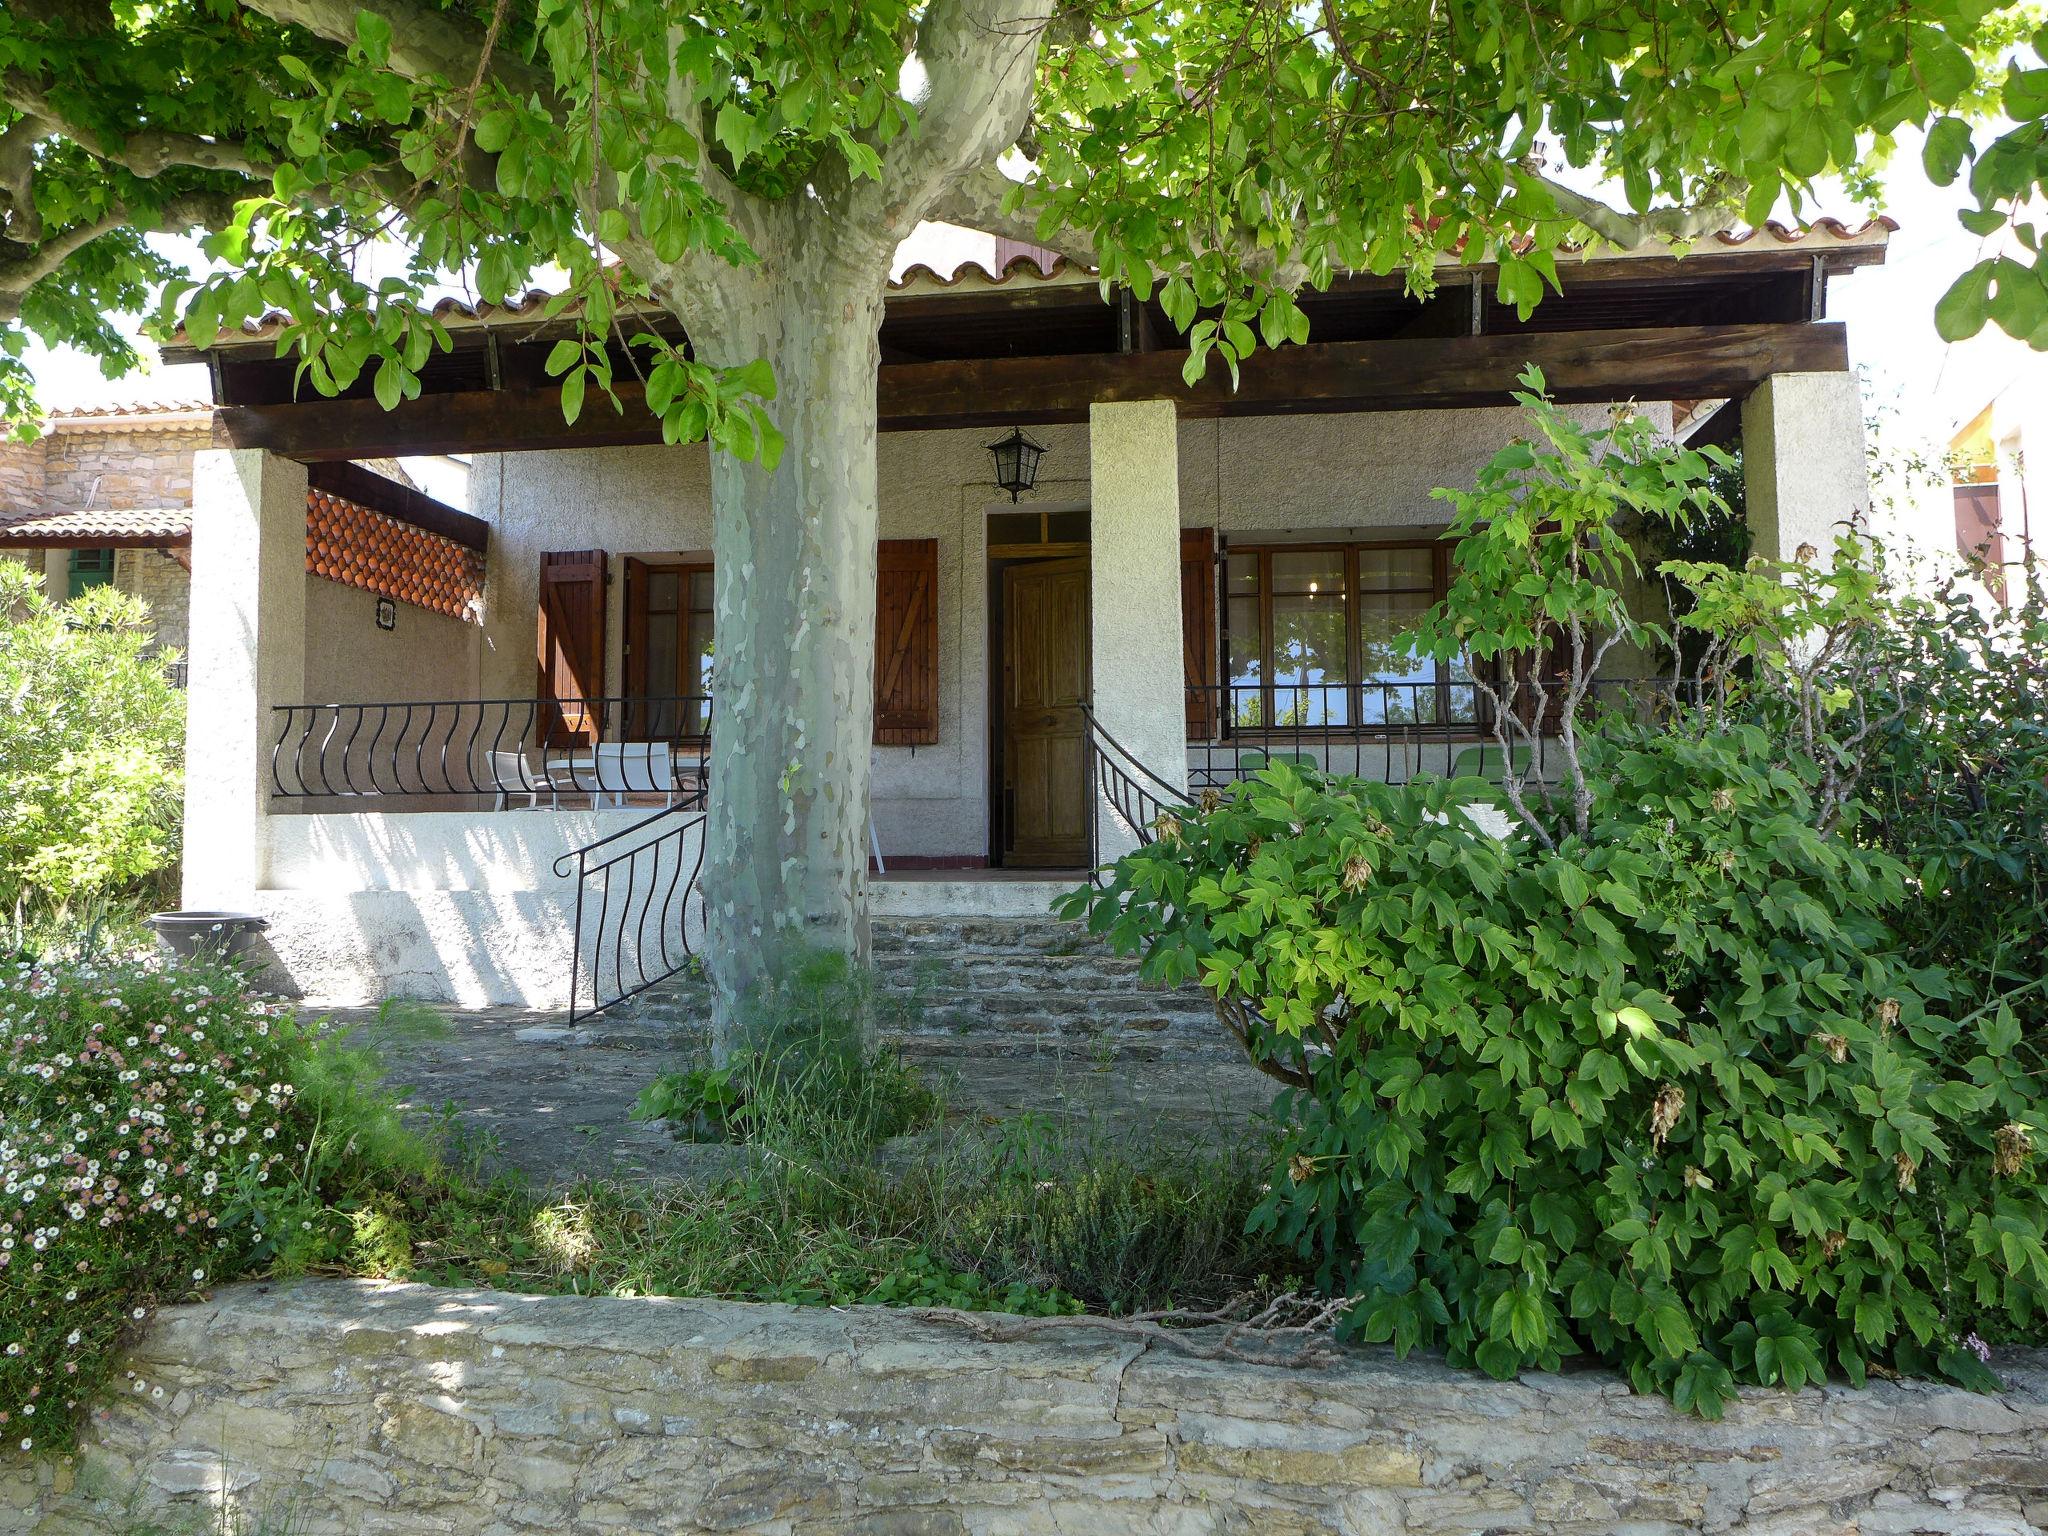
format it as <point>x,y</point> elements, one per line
<point>349,659</point>
<point>1305,475</point>
<point>459,907</point>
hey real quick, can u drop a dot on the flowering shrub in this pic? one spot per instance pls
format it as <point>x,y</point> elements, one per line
<point>145,1115</point>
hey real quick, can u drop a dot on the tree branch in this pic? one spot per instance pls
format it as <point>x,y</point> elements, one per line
<point>1629,230</point>
<point>147,154</point>
<point>976,201</point>
<point>980,60</point>
<point>19,273</point>
<point>425,43</point>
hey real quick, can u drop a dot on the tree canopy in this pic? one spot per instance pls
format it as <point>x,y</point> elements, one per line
<point>1221,154</point>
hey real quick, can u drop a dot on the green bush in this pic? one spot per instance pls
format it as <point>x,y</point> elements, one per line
<point>1651,1075</point>
<point>1668,1095</point>
<point>146,1117</point>
<point>91,743</point>
<point>1956,778</point>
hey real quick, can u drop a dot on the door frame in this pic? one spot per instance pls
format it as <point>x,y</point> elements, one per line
<point>1000,560</point>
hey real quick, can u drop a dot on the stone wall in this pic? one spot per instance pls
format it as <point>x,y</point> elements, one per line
<point>332,1407</point>
<point>121,470</point>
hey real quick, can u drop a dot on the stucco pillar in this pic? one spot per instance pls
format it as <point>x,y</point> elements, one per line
<point>246,652</point>
<point>1137,675</point>
<point>56,574</point>
<point>1803,466</point>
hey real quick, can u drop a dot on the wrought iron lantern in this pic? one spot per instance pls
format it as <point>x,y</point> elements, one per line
<point>1017,459</point>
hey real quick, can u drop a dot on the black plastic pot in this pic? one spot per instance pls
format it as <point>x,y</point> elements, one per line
<point>208,935</point>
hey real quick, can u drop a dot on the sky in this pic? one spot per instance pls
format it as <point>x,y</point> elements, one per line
<point>1927,386</point>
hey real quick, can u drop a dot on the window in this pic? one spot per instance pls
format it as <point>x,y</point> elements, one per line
<point>679,648</point>
<point>90,568</point>
<point>1314,636</point>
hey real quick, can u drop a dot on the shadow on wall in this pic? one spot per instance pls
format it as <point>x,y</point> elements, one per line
<point>501,945</point>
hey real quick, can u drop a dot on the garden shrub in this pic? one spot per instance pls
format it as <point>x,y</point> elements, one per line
<point>146,1116</point>
<point>91,743</point>
<point>1668,1096</point>
<point>1654,1076</point>
<point>1956,778</point>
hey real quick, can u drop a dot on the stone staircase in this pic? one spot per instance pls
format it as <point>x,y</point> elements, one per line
<point>1006,986</point>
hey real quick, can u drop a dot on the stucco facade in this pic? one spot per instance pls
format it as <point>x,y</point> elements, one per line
<point>1276,478</point>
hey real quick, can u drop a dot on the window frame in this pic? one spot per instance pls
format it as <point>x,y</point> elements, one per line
<point>685,572</point>
<point>1356,684</point>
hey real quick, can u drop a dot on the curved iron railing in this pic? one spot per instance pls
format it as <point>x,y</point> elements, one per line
<point>1392,732</point>
<point>1121,784</point>
<point>635,892</point>
<point>511,751</point>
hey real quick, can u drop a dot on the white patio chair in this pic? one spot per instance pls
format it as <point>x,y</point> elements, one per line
<point>513,775</point>
<point>616,769</point>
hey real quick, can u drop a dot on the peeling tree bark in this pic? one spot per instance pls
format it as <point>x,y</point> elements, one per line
<point>794,553</point>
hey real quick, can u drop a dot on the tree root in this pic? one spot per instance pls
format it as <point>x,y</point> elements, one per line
<point>1290,1331</point>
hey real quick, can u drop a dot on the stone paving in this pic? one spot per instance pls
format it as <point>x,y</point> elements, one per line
<point>553,1102</point>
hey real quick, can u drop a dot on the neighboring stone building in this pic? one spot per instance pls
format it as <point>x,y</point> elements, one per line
<point>105,495</point>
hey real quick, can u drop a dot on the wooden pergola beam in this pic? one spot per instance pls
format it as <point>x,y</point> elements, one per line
<point>1420,373</point>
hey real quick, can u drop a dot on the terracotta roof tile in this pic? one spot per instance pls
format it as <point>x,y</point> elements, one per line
<point>1024,268</point>
<point>164,526</point>
<point>136,409</point>
<point>349,543</point>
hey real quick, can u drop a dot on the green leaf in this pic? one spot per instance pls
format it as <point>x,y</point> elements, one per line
<point>1947,146</point>
<point>494,130</point>
<point>373,36</point>
<point>1961,312</point>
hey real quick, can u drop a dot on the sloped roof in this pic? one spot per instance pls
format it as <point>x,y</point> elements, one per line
<point>152,528</point>
<point>142,416</point>
<point>1822,236</point>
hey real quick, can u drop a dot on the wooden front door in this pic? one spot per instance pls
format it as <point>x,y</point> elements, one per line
<point>1045,679</point>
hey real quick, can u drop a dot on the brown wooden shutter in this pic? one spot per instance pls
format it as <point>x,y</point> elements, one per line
<point>907,643</point>
<point>571,646</point>
<point>1198,628</point>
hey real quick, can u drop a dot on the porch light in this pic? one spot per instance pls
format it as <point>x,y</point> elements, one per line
<point>1016,462</point>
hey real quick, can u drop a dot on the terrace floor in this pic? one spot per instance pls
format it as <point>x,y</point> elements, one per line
<point>554,1102</point>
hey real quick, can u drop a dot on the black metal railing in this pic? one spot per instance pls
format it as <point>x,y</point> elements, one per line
<point>1391,731</point>
<point>1124,788</point>
<point>637,907</point>
<point>511,752</point>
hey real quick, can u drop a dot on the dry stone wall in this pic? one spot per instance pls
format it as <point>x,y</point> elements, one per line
<point>331,1406</point>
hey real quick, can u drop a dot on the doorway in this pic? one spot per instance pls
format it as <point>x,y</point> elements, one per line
<point>1041,680</point>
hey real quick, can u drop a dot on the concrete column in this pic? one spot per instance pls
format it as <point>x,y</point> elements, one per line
<point>1803,467</point>
<point>246,652</point>
<point>56,574</point>
<point>1138,680</point>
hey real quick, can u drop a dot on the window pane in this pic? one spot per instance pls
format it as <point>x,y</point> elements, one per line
<point>1318,571</point>
<point>1014,528</point>
<point>1309,660</point>
<point>664,642</point>
<point>1399,685</point>
<point>662,591</point>
<point>1246,670</point>
<point>1067,527</point>
<point>1381,569</point>
<point>1241,575</point>
<point>700,590</point>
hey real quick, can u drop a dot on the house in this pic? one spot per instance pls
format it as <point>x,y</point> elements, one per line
<point>1214,571</point>
<point>1998,463</point>
<point>103,496</point>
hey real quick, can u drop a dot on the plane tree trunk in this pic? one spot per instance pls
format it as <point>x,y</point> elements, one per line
<point>794,559</point>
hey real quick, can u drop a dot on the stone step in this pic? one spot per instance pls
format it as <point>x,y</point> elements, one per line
<point>1004,986</point>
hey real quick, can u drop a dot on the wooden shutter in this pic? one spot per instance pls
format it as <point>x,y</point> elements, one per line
<point>907,643</point>
<point>1198,628</point>
<point>572,646</point>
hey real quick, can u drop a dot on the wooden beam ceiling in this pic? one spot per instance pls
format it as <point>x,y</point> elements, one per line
<point>1405,374</point>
